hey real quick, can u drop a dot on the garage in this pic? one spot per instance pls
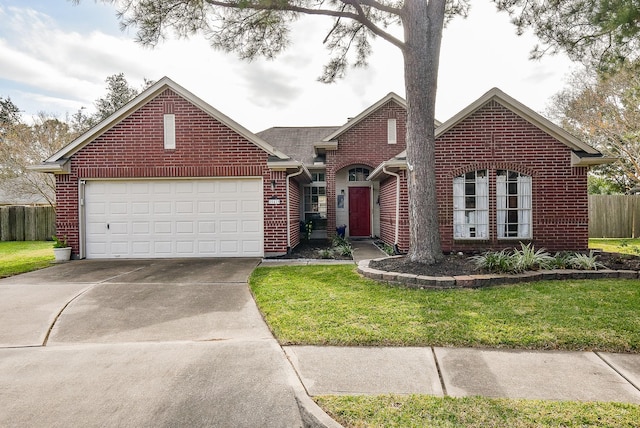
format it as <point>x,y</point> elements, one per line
<point>166,218</point>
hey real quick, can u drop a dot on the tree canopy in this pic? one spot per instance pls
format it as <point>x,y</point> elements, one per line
<point>600,32</point>
<point>23,144</point>
<point>604,110</point>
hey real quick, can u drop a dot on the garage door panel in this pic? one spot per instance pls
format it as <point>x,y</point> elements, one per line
<point>160,208</point>
<point>184,207</point>
<point>206,207</point>
<point>229,207</point>
<point>207,227</point>
<point>174,218</point>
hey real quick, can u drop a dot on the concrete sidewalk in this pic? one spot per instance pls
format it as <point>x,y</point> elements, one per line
<point>461,372</point>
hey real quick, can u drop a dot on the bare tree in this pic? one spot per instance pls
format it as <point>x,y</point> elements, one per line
<point>25,145</point>
<point>604,110</point>
<point>255,28</point>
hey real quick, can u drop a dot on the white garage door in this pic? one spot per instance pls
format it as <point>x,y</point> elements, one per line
<point>174,218</point>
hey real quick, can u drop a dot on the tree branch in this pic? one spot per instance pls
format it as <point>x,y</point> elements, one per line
<point>274,6</point>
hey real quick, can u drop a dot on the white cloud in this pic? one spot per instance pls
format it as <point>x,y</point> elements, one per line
<point>47,66</point>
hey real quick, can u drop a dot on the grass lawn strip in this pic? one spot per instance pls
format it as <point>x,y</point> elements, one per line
<point>616,245</point>
<point>332,305</point>
<point>24,256</point>
<point>428,411</point>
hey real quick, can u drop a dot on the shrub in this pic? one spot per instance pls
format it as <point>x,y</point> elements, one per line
<point>326,253</point>
<point>342,246</point>
<point>492,261</point>
<point>561,261</point>
<point>527,258</point>
<point>585,261</point>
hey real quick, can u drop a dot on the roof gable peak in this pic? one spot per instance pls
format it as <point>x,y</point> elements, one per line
<point>143,98</point>
<point>391,96</point>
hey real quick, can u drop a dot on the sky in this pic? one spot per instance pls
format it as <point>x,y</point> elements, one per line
<point>55,57</point>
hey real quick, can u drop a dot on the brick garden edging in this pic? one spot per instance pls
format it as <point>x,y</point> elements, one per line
<point>485,280</point>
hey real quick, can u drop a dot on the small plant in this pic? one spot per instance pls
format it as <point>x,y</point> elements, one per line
<point>341,245</point>
<point>492,261</point>
<point>561,261</point>
<point>527,258</point>
<point>585,261</point>
<point>59,242</point>
<point>325,253</point>
<point>308,229</point>
<point>388,249</point>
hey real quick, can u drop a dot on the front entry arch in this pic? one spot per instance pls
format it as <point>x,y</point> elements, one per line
<point>359,211</point>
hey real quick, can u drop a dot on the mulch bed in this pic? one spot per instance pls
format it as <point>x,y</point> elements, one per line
<point>454,265</point>
<point>311,250</point>
<point>451,265</point>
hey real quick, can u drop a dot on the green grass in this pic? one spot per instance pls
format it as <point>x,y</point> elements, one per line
<point>332,305</point>
<point>24,256</point>
<point>625,246</point>
<point>435,412</point>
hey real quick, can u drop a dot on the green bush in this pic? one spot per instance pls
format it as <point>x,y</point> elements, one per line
<point>585,261</point>
<point>527,258</point>
<point>492,261</point>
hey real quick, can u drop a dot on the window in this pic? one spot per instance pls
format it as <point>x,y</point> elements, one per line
<point>513,204</point>
<point>315,206</point>
<point>471,205</point>
<point>317,176</point>
<point>358,174</point>
<point>315,202</point>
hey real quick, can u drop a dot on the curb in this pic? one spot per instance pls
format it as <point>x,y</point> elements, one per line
<point>486,280</point>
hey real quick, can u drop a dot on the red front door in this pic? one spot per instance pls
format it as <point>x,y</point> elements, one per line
<point>359,211</point>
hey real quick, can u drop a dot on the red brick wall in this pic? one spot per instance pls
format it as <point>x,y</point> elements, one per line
<point>388,211</point>
<point>295,198</point>
<point>495,138</point>
<point>364,144</point>
<point>134,148</point>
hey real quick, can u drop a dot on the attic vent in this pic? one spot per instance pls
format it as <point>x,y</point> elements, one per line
<point>169,131</point>
<point>168,107</point>
<point>392,134</point>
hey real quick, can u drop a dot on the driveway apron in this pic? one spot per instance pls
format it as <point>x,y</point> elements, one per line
<point>136,343</point>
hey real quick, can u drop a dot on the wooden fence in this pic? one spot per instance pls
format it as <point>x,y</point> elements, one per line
<point>614,216</point>
<point>19,223</point>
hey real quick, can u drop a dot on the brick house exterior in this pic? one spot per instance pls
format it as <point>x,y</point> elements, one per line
<point>130,147</point>
<point>498,136</point>
<point>504,175</point>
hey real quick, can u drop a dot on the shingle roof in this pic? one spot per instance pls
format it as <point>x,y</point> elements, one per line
<point>297,142</point>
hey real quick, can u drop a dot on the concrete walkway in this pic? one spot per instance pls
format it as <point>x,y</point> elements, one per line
<point>461,372</point>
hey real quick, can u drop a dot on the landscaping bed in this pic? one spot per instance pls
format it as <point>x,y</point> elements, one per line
<point>457,265</point>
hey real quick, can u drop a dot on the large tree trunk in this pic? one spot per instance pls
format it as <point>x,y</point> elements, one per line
<point>423,22</point>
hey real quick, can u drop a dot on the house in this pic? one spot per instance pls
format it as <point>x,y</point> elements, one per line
<point>170,176</point>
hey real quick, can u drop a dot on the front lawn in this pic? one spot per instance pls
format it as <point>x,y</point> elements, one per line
<point>470,412</point>
<point>333,305</point>
<point>24,256</point>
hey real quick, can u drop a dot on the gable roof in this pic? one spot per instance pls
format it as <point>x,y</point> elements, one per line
<point>521,110</point>
<point>139,101</point>
<point>354,121</point>
<point>583,154</point>
<point>297,142</point>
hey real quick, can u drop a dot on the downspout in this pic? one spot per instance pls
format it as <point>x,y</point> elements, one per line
<point>397,176</point>
<point>293,174</point>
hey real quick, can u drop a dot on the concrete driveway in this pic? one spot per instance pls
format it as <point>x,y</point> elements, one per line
<point>135,343</point>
